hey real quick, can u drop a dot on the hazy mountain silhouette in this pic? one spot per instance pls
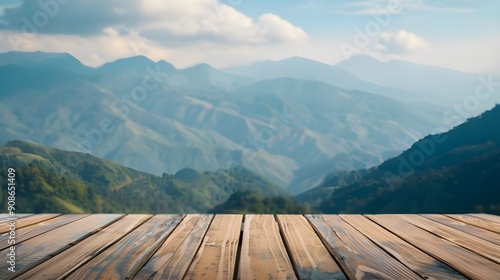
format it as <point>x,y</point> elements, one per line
<point>453,172</point>
<point>156,118</point>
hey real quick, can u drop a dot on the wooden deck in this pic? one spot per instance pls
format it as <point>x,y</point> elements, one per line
<point>115,246</point>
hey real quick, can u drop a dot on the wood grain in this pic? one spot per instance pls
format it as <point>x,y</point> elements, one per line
<point>475,244</point>
<point>426,266</point>
<point>462,260</point>
<point>111,246</point>
<point>27,221</point>
<point>29,232</point>
<point>38,249</point>
<point>216,258</point>
<point>478,222</point>
<point>489,217</point>
<point>263,254</point>
<point>71,259</point>
<point>309,257</point>
<point>356,253</point>
<point>172,260</point>
<point>6,217</point>
<point>464,227</point>
<point>124,258</point>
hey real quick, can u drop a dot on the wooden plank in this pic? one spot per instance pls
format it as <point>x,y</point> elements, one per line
<point>263,254</point>
<point>477,245</point>
<point>310,258</point>
<point>29,232</point>
<point>36,250</point>
<point>358,256</point>
<point>6,217</point>
<point>172,260</point>
<point>489,217</point>
<point>71,259</point>
<point>426,266</point>
<point>470,229</point>
<point>216,258</point>
<point>462,260</point>
<point>124,258</point>
<point>27,221</point>
<point>478,222</point>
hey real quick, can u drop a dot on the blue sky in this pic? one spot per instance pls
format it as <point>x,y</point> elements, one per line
<point>458,34</point>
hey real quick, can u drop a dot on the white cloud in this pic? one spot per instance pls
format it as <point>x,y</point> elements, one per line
<point>182,22</point>
<point>401,42</point>
<point>170,23</point>
<point>184,32</point>
<point>274,28</point>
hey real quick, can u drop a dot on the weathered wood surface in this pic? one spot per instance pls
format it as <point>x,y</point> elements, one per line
<point>29,232</point>
<point>361,257</point>
<point>180,254</point>
<point>478,222</point>
<point>467,228</point>
<point>5,217</point>
<point>489,217</point>
<point>42,247</point>
<point>475,244</point>
<point>71,259</point>
<point>426,266</point>
<point>466,262</point>
<point>216,258</point>
<point>310,258</point>
<point>124,259</point>
<point>110,246</point>
<point>263,254</point>
<point>24,220</point>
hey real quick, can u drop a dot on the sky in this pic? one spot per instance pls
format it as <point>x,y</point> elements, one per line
<point>463,35</point>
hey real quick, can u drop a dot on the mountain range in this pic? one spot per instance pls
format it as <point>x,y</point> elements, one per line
<point>403,81</point>
<point>293,121</point>
<point>453,172</point>
<point>52,180</point>
<point>434,85</point>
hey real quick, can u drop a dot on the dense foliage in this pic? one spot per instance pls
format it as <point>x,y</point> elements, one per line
<point>453,172</point>
<point>251,202</point>
<point>50,180</point>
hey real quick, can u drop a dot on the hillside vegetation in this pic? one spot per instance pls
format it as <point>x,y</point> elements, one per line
<point>453,172</point>
<point>51,180</point>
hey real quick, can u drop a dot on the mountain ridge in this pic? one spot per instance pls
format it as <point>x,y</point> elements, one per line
<point>159,119</point>
<point>56,180</point>
<point>436,168</point>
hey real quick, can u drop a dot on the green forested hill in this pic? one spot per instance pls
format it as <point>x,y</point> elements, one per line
<point>453,172</point>
<point>51,180</point>
<point>251,202</point>
<point>470,186</point>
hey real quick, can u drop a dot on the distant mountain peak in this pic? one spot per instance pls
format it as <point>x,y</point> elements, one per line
<point>134,62</point>
<point>300,58</point>
<point>39,53</point>
<point>39,59</point>
<point>139,59</point>
<point>187,174</point>
<point>200,67</point>
<point>363,60</point>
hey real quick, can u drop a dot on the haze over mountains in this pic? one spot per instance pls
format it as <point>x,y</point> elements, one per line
<point>400,80</point>
<point>275,118</point>
<point>453,172</point>
<point>435,85</point>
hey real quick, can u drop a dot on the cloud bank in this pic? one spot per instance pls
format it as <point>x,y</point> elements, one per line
<point>169,23</point>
